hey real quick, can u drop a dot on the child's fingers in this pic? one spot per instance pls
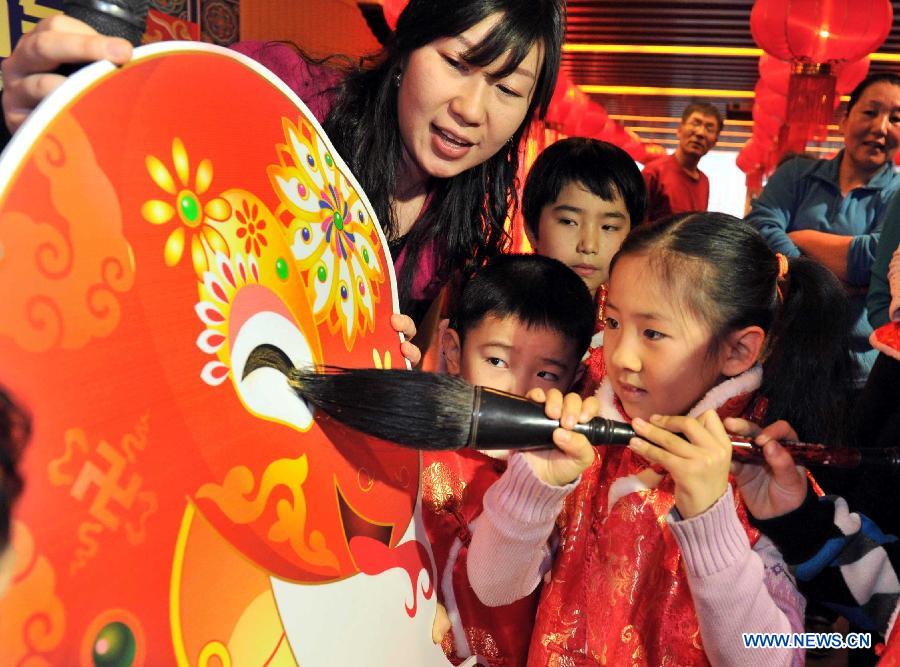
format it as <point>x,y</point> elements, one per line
<point>779,430</point>
<point>553,405</point>
<point>693,430</point>
<point>742,427</point>
<point>571,410</point>
<point>663,438</point>
<point>575,446</point>
<point>537,395</point>
<point>714,426</point>
<point>652,453</point>
<point>590,408</point>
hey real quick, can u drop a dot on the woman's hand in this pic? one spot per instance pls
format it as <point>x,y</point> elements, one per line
<point>29,72</point>
<point>699,465</point>
<point>404,324</point>
<point>440,626</point>
<point>573,453</point>
<point>779,486</point>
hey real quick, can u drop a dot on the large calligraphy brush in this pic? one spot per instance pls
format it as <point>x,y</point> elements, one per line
<point>440,412</point>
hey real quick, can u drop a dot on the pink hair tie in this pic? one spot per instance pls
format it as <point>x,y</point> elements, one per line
<point>782,272</point>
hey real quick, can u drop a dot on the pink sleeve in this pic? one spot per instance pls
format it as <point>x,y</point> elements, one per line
<point>311,82</point>
<point>737,589</point>
<point>509,552</point>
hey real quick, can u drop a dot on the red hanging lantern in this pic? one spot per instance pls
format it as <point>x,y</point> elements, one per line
<point>850,75</point>
<point>561,102</point>
<point>816,36</point>
<point>392,10</point>
<point>592,121</point>
<point>776,73</point>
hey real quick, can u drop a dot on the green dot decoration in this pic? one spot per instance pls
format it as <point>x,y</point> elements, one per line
<point>114,646</point>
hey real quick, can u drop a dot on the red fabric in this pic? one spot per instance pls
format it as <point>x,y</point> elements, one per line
<point>671,190</point>
<point>453,486</point>
<point>618,593</point>
<point>890,655</point>
<point>594,365</point>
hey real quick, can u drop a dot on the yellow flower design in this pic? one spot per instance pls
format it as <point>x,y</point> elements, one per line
<point>195,217</point>
<point>381,363</point>
<point>334,237</point>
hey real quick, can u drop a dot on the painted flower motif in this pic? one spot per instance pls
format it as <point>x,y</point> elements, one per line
<point>333,231</point>
<point>219,286</point>
<point>195,215</point>
<point>381,363</point>
<point>251,229</point>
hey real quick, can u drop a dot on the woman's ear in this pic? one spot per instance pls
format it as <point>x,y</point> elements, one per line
<point>452,350</point>
<point>743,348</point>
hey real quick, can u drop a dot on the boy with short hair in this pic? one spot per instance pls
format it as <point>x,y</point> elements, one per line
<point>523,322</point>
<point>581,199</point>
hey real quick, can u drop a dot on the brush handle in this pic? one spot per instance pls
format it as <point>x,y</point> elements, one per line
<point>818,455</point>
<point>506,421</point>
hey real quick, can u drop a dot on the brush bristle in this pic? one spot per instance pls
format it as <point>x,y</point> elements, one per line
<point>412,408</point>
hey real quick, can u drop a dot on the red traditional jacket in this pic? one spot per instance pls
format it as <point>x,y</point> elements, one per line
<point>618,593</point>
<point>453,486</point>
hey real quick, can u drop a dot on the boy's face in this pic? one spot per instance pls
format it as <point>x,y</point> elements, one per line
<point>504,354</point>
<point>583,232</point>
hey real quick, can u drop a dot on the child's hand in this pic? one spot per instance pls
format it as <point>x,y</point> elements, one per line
<point>779,486</point>
<point>699,467</point>
<point>404,324</point>
<point>573,453</point>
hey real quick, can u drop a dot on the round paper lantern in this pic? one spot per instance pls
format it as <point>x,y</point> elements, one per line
<point>813,31</point>
<point>592,121</point>
<point>776,73</point>
<point>850,75</point>
<point>562,100</point>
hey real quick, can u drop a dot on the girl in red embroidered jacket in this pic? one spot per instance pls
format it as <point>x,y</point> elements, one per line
<point>658,564</point>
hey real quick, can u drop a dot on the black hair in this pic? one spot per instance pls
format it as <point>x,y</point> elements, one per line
<point>726,275</point>
<point>536,290</point>
<point>602,168</point>
<point>15,430</point>
<point>706,109</point>
<point>466,214</point>
<point>871,80</point>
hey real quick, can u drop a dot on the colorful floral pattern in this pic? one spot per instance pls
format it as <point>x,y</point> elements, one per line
<point>334,238</point>
<point>196,217</point>
<point>219,285</point>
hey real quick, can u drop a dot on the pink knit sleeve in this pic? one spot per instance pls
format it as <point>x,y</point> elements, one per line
<point>509,552</point>
<point>737,589</point>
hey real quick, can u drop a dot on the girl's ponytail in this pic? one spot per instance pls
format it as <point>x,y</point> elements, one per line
<point>808,371</point>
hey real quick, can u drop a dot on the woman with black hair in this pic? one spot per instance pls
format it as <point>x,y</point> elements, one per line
<point>432,130</point>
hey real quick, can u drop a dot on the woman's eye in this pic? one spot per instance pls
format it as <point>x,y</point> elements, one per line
<point>612,323</point>
<point>496,362</point>
<point>653,334</point>
<point>548,376</point>
<point>568,222</point>
<point>506,90</point>
<point>458,65</point>
<point>610,228</point>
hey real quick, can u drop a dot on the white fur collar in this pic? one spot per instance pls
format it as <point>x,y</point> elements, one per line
<point>715,398</point>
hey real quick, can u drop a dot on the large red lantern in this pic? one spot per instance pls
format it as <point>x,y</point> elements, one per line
<point>816,37</point>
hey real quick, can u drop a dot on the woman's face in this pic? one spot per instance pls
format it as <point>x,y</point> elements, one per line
<point>872,127</point>
<point>454,116</point>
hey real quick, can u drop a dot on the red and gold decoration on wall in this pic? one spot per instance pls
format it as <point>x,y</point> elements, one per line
<point>179,509</point>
